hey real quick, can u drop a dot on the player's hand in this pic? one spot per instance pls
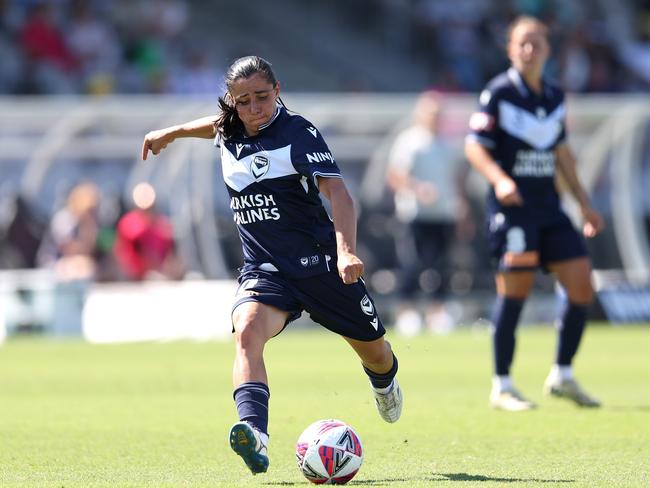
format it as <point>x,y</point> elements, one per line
<point>507,193</point>
<point>155,141</point>
<point>594,223</point>
<point>350,267</point>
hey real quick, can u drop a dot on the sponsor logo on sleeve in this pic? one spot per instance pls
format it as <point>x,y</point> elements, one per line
<point>313,131</point>
<point>319,157</point>
<point>480,121</point>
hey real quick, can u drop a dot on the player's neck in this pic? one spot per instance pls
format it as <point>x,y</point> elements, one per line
<point>534,81</point>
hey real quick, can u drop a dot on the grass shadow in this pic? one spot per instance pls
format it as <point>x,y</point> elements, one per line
<point>381,482</point>
<point>436,477</point>
<point>629,408</point>
<point>480,477</point>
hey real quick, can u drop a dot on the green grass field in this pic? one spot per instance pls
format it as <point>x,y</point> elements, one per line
<point>158,415</point>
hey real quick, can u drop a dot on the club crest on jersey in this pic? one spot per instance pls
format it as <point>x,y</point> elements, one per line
<point>259,166</point>
<point>304,261</point>
<point>366,306</point>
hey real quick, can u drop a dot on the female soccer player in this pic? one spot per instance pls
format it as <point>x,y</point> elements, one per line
<point>296,258</point>
<point>518,142</point>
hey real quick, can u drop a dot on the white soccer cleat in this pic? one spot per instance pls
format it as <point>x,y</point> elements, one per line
<point>250,444</point>
<point>570,389</point>
<point>510,399</point>
<point>389,404</point>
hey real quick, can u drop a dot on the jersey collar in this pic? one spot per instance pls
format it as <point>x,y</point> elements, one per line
<point>272,119</point>
<point>518,81</point>
<point>522,87</point>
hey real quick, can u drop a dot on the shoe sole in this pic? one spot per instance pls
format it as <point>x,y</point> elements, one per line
<point>242,441</point>
<point>524,408</point>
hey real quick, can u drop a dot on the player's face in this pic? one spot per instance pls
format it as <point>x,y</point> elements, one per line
<point>255,100</point>
<point>528,48</point>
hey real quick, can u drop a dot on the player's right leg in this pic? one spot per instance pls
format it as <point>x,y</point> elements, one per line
<point>254,323</point>
<point>512,288</point>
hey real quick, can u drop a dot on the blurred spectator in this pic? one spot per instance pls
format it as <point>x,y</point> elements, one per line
<point>424,172</point>
<point>138,46</point>
<point>457,31</point>
<point>71,243</point>
<point>95,46</point>
<point>197,75</point>
<point>50,64</point>
<point>144,246</point>
<point>21,231</point>
<point>576,62</point>
<point>169,18</point>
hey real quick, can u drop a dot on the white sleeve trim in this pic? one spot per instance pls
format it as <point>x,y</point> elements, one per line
<point>325,175</point>
<point>483,141</point>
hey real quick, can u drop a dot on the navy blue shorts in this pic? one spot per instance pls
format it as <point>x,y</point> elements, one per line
<point>347,310</point>
<point>522,243</point>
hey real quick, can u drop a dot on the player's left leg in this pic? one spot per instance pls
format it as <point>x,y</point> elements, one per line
<point>380,364</point>
<point>348,310</point>
<point>575,277</point>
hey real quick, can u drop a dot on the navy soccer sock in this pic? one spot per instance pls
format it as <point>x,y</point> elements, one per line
<point>571,327</point>
<point>252,400</point>
<point>382,380</point>
<point>505,318</point>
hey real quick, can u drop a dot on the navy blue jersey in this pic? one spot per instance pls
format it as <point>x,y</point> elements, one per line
<point>271,180</point>
<point>521,130</point>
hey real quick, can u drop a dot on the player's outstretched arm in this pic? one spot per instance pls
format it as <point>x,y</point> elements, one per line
<point>157,140</point>
<point>345,225</point>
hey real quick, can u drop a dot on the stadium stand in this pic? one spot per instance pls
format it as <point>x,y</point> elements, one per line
<point>180,46</point>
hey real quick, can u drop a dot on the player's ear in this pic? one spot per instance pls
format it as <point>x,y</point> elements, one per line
<point>276,88</point>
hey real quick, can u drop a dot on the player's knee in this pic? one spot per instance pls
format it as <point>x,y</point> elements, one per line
<point>247,337</point>
<point>581,290</point>
<point>583,295</point>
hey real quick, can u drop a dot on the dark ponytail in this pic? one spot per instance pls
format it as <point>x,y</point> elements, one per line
<point>228,123</point>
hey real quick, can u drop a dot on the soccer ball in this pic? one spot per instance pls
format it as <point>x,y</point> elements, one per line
<point>329,451</point>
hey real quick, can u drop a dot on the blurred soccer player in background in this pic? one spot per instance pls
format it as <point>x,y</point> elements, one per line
<point>518,142</point>
<point>296,258</point>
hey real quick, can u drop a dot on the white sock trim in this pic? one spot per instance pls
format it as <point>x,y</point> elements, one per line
<point>383,391</point>
<point>562,373</point>
<point>501,383</point>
